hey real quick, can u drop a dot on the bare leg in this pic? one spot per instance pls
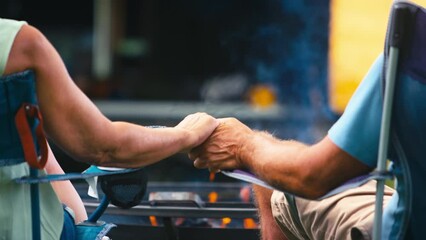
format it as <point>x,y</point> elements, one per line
<point>268,227</point>
<point>65,190</point>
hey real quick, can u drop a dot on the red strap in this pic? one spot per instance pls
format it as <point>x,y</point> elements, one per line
<point>25,112</point>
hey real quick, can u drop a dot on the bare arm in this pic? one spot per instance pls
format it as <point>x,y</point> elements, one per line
<point>307,171</point>
<point>77,126</point>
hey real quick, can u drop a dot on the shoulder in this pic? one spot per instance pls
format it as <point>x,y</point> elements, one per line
<point>27,44</point>
<point>357,130</point>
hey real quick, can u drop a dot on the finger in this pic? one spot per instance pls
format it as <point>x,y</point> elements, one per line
<point>228,165</point>
<point>223,119</point>
<point>194,153</point>
<point>198,163</point>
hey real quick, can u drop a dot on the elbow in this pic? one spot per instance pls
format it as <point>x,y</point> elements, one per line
<point>306,186</point>
<point>314,193</point>
<point>104,157</point>
<point>314,186</point>
<point>95,156</point>
<point>102,147</point>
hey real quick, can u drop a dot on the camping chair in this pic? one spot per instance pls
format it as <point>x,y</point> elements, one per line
<point>403,124</point>
<point>23,140</point>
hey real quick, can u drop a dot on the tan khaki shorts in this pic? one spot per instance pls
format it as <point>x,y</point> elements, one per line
<point>332,218</point>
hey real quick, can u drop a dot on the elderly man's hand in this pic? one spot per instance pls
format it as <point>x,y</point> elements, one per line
<point>199,126</point>
<point>225,148</point>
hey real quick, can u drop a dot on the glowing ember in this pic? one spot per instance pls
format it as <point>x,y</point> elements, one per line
<point>213,197</point>
<point>153,221</point>
<point>249,223</point>
<point>226,221</point>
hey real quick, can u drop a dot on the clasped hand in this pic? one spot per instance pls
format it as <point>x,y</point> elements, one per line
<point>224,148</point>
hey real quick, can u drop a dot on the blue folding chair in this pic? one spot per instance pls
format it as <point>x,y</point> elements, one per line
<point>403,128</point>
<point>22,140</point>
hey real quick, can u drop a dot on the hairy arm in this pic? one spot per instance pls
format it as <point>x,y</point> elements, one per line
<point>307,171</point>
<point>76,125</point>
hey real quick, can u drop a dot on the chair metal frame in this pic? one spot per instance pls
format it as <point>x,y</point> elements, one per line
<point>394,46</point>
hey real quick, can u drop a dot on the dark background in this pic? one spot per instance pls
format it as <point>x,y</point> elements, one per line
<point>186,42</point>
<point>179,46</point>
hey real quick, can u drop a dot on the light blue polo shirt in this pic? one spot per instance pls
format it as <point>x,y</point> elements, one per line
<point>358,129</point>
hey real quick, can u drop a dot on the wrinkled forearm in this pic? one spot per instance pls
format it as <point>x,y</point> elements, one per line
<point>136,146</point>
<point>278,162</point>
<point>121,144</point>
<point>307,171</point>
